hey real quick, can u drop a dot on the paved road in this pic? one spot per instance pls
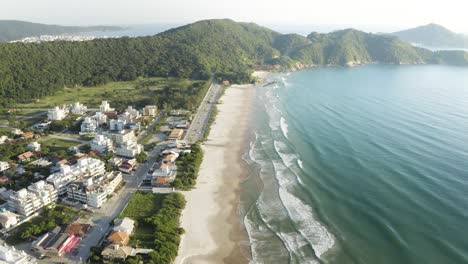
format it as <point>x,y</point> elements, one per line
<point>197,129</point>
<point>102,218</point>
<point>150,127</point>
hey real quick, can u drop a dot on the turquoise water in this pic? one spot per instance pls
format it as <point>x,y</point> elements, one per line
<point>360,165</point>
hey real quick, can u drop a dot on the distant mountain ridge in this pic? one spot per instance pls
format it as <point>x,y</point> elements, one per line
<point>14,29</point>
<point>433,35</point>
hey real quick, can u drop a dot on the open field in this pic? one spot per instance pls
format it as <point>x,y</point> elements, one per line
<point>133,91</point>
<point>58,144</point>
<point>141,206</point>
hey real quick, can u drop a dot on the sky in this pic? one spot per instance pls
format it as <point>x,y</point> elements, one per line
<point>369,15</point>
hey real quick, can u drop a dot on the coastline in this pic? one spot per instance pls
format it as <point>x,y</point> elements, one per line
<point>214,232</point>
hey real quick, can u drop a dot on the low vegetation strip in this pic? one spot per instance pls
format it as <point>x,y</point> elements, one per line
<point>157,218</point>
<point>188,165</point>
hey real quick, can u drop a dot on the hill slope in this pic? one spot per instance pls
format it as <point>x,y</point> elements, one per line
<point>350,47</point>
<point>433,35</point>
<point>224,48</point>
<point>15,30</point>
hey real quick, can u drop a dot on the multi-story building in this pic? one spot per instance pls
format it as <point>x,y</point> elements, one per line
<point>57,113</point>
<point>88,126</point>
<point>94,191</point>
<point>100,118</point>
<point>150,110</point>
<point>28,201</point>
<point>10,255</point>
<point>85,167</point>
<point>102,144</point>
<point>117,124</point>
<point>78,109</point>
<point>105,107</point>
<point>132,113</point>
<point>129,149</point>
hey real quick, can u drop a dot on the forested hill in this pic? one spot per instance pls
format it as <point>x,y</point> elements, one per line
<point>433,35</point>
<point>15,30</point>
<point>228,49</point>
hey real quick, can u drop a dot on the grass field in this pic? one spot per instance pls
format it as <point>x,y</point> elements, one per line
<point>141,206</point>
<point>58,144</point>
<point>113,91</point>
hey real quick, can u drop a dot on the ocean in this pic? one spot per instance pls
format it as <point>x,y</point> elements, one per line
<point>359,165</point>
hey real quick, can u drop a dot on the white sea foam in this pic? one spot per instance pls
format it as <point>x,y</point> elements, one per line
<point>284,127</point>
<point>316,234</point>
<point>271,210</point>
<point>300,163</point>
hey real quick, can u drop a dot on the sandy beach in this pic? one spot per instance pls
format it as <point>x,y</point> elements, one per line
<point>214,233</point>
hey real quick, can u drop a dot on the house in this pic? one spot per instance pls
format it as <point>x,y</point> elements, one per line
<point>78,230</point>
<point>118,238</point>
<point>34,146</point>
<point>25,156</point>
<point>115,251</point>
<point>125,167</point>
<point>3,180</point>
<point>55,243</point>
<point>125,225</point>
<point>150,110</point>
<point>176,134</point>
<point>28,135</point>
<point>3,139</point>
<point>16,131</point>
<point>162,182</point>
<point>8,219</point>
<point>4,166</point>
<point>57,113</point>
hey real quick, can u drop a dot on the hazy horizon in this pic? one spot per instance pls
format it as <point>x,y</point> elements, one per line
<point>367,15</point>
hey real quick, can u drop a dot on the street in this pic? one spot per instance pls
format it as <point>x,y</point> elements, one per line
<point>197,129</point>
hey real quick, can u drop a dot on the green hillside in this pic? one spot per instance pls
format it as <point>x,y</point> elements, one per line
<point>224,48</point>
<point>15,30</point>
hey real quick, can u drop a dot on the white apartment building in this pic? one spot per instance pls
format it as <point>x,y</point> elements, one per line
<point>4,166</point>
<point>28,201</point>
<point>85,167</point>
<point>94,191</point>
<point>123,136</point>
<point>34,146</point>
<point>150,110</point>
<point>10,255</point>
<point>88,126</point>
<point>100,118</point>
<point>105,107</point>
<point>129,149</point>
<point>78,109</point>
<point>133,113</point>
<point>57,113</point>
<point>117,124</point>
<point>102,144</point>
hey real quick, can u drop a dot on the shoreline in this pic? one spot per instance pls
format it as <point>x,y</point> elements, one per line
<point>214,231</point>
